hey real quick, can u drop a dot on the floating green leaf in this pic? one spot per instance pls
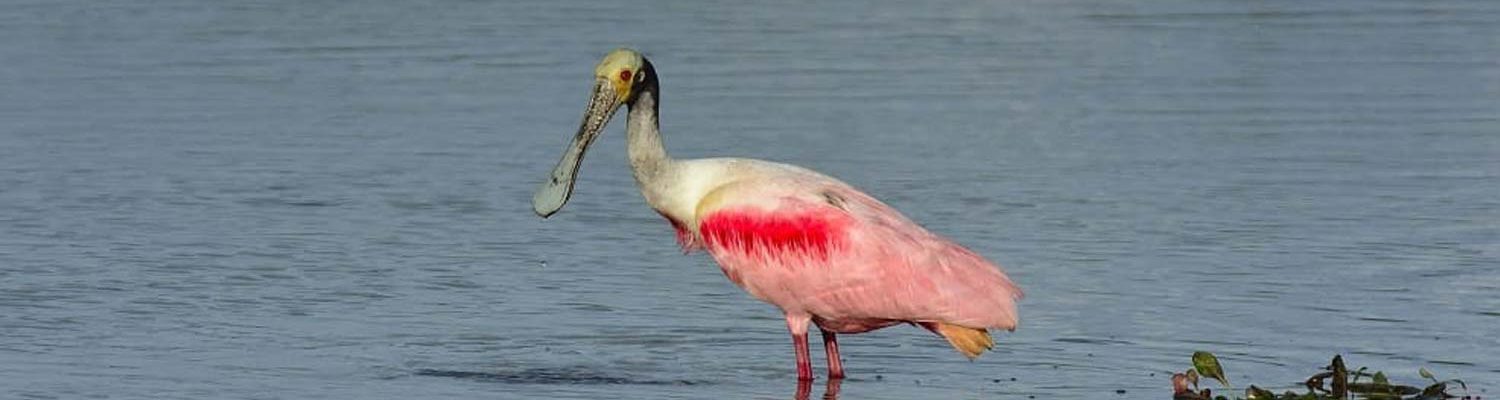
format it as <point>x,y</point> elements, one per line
<point>1436,390</point>
<point>1340,384</point>
<point>1427,374</point>
<point>1208,366</point>
<point>1255,393</point>
<point>1382,390</point>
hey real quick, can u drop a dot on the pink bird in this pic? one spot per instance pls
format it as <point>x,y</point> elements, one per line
<point>818,249</point>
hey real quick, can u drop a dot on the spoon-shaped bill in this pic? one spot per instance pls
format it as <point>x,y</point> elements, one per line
<point>559,185</point>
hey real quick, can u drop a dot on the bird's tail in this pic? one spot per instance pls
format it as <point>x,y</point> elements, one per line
<point>968,341</point>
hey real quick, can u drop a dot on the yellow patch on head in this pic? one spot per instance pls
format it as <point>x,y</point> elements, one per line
<point>621,68</point>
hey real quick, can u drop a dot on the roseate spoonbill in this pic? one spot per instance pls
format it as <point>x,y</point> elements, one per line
<point>813,246</point>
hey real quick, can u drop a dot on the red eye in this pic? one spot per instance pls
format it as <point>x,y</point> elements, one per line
<point>625,75</point>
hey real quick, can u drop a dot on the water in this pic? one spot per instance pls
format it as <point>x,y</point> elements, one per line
<point>331,199</point>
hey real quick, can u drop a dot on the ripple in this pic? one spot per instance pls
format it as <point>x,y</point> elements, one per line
<point>548,376</point>
<point>276,201</point>
<point>1383,319</point>
<point>1081,340</point>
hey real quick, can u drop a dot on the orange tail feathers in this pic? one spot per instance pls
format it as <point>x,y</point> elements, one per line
<point>968,341</point>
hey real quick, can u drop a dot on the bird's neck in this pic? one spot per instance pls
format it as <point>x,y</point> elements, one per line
<point>648,158</point>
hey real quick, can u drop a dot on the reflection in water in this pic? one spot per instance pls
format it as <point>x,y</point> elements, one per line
<point>830,392</point>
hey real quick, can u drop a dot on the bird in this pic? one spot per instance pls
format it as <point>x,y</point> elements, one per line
<point>823,252</point>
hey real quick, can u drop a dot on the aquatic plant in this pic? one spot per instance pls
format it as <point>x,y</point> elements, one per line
<point>1335,382</point>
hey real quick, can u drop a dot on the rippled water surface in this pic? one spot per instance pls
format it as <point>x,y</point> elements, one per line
<point>295,199</point>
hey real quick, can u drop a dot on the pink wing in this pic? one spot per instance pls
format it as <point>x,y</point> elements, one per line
<point>817,246</point>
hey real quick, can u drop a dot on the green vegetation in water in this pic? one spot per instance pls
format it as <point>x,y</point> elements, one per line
<point>1335,383</point>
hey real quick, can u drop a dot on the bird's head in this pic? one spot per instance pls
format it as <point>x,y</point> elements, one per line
<point>619,79</point>
<point>620,71</point>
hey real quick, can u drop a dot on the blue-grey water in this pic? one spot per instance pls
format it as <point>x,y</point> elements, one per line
<point>312,199</point>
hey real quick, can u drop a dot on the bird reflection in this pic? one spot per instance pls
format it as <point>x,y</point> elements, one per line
<point>830,391</point>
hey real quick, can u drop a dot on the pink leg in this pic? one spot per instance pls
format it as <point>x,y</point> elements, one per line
<point>831,349</point>
<point>797,325</point>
